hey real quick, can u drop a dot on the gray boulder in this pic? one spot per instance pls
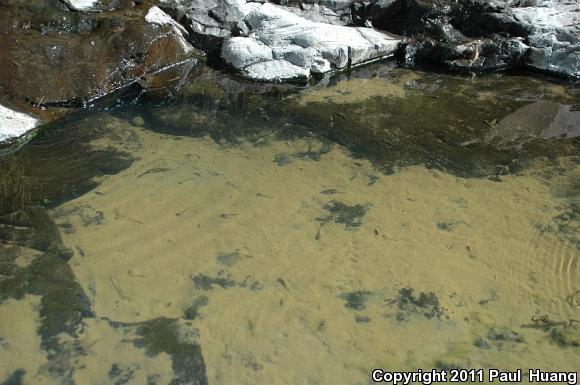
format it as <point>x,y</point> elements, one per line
<point>555,38</point>
<point>210,22</point>
<point>321,14</point>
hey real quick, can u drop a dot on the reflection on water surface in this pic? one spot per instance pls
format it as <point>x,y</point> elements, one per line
<point>393,219</point>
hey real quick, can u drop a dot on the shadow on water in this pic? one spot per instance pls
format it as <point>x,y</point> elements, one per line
<point>471,127</point>
<point>59,163</point>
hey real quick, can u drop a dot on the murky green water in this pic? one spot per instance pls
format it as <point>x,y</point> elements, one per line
<point>255,234</point>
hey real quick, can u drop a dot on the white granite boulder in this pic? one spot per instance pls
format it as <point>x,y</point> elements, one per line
<point>84,5</point>
<point>281,45</point>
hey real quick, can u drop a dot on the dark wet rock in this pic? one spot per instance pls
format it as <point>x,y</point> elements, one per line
<point>406,17</point>
<point>464,37</point>
<point>356,300</point>
<point>349,216</point>
<point>485,17</point>
<point>481,55</point>
<point>57,57</point>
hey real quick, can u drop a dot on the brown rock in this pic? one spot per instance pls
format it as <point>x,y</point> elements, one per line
<point>53,56</point>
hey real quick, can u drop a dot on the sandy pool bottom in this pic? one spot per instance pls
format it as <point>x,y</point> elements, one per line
<point>290,260</point>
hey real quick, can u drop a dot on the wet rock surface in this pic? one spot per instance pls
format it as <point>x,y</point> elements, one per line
<point>56,56</point>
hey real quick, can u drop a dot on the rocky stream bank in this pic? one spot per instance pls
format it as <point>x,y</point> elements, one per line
<point>62,55</point>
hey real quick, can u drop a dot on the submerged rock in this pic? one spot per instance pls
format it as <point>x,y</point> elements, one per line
<point>280,45</point>
<point>543,119</point>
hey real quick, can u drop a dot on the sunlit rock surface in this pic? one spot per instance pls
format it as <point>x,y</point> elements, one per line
<point>14,124</point>
<point>281,45</point>
<point>555,37</point>
<point>83,5</point>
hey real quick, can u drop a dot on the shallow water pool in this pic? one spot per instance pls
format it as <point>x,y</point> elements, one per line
<point>247,234</point>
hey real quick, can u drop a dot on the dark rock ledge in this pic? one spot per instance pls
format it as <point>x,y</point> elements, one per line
<point>58,55</point>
